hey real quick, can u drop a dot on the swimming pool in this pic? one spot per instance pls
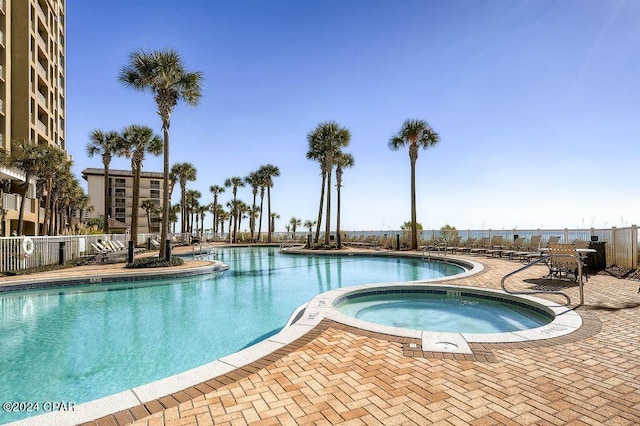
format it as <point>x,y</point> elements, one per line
<point>82,343</point>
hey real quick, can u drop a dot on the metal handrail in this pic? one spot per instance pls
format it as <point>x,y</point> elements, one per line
<point>544,259</point>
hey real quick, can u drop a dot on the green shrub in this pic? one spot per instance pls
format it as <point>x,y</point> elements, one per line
<point>154,262</point>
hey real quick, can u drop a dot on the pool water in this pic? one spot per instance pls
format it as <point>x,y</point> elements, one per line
<point>444,313</point>
<point>83,343</point>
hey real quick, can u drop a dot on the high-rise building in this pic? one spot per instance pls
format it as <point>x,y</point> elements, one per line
<point>32,94</point>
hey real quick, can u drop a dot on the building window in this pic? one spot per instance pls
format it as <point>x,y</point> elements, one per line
<point>154,193</point>
<point>119,183</point>
<point>155,184</point>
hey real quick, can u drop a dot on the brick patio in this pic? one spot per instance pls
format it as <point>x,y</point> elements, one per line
<point>337,374</point>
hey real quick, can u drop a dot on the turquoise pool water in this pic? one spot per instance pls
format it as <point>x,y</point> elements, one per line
<point>444,313</point>
<point>84,343</point>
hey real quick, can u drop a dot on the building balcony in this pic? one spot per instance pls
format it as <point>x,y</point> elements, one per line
<point>42,127</point>
<point>42,71</point>
<point>12,202</point>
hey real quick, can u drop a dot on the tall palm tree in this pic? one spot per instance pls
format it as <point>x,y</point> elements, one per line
<point>192,203</point>
<point>184,172</point>
<point>136,142</point>
<point>342,161</point>
<point>234,183</point>
<point>325,142</point>
<point>414,134</point>
<point>52,166</point>
<point>253,180</point>
<point>215,190</point>
<point>105,144</point>
<point>268,172</point>
<point>294,222</point>
<point>149,207</point>
<point>164,75</point>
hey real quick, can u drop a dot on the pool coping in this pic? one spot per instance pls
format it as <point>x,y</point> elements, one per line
<point>42,283</point>
<point>301,322</point>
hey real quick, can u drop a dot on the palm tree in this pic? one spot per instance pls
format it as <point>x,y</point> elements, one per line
<point>222,216</point>
<point>253,180</point>
<point>342,161</point>
<point>415,134</point>
<point>24,156</point>
<point>173,216</point>
<point>164,75</point>
<point>52,166</point>
<point>149,207</point>
<point>215,190</point>
<point>309,224</point>
<point>235,183</point>
<point>268,172</point>
<point>184,172</point>
<point>325,142</point>
<point>294,222</point>
<point>138,140</point>
<point>273,217</point>
<point>191,205</point>
<point>105,144</point>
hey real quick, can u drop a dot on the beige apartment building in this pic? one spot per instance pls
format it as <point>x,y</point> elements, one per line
<point>121,196</point>
<point>32,94</point>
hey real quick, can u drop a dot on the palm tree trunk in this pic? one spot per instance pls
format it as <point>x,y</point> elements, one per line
<point>136,202</point>
<point>328,224</point>
<point>22,200</point>
<point>260,222</point>
<point>164,232</point>
<point>107,199</point>
<point>252,219</point>
<point>414,230</point>
<point>339,241</point>
<point>269,210</point>
<point>317,237</point>
<point>47,211</point>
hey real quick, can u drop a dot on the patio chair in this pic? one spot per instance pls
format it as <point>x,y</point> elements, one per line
<point>563,260</point>
<point>154,244</point>
<point>497,246</point>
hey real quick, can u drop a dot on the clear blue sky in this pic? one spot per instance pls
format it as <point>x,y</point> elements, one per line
<point>537,103</point>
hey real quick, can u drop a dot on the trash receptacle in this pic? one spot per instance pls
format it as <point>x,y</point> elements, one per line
<point>597,261</point>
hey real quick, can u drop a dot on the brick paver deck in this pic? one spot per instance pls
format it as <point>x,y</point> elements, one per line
<point>339,375</point>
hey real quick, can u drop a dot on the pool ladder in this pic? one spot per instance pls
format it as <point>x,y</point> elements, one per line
<point>545,259</point>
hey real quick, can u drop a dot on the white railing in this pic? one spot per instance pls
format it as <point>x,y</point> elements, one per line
<point>48,250</point>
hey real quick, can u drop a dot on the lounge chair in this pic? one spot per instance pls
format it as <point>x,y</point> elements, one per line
<point>467,246</point>
<point>532,250</point>
<point>100,251</point>
<point>497,246</point>
<point>481,246</point>
<point>514,247</point>
<point>453,245</point>
<point>154,244</point>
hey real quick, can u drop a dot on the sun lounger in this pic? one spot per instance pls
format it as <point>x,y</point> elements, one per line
<point>497,246</point>
<point>481,247</point>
